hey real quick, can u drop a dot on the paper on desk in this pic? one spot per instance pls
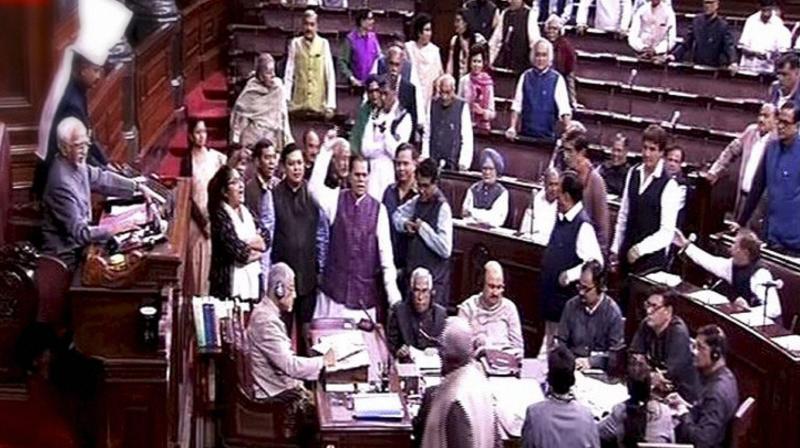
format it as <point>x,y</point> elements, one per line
<point>789,342</point>
<point>512,396</point>
<point>753,318</point>
<point>665,278</point>
<point>351,361</point>
<point>598,396</point>
<point>343,344</point>
<point>709,297</point>
<point>384,405</point>
<point>426,361</point>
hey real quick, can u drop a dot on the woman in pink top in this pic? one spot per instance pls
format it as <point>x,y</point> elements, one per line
<point>477,88</point>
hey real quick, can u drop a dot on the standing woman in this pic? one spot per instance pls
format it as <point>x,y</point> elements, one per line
<point>237,242</point>
<point>477,88</point>
<point>460,46</point>
<point>426,61</point>
<point>200,164</point>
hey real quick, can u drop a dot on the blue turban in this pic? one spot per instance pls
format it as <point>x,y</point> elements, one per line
<point>497,160</point>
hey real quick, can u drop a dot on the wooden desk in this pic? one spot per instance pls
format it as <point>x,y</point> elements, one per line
<point>763,369</point>
<point>139,400</point>
<point>338,428</point>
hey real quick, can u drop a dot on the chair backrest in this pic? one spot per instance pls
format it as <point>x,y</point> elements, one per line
<point>741,423</point>
<point>52,284</point>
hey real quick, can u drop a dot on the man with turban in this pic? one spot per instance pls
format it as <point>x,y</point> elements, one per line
<point>486,201</point>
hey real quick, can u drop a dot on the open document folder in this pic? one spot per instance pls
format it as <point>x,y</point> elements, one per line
<point>377,406</point>
<point>349,347</point>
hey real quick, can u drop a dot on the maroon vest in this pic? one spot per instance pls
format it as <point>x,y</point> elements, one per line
<point>353,270</point>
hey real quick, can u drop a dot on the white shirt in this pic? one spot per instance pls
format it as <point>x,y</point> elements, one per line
<point>496,41</point>
<point>327,200</point>
<point>586,247</point>
<point>609,15</point>
<point>539,223</point>
<point>495,215</point>
<point>723,268</point>
<point>756,154</point>
<point>330,73</point>
<point>640,36</point>
<point>561,95</point>
<point>379,147</point>
<point>761,37</point>
<point>670,206</point>
<point>467,140</point>
<point>427,63</point>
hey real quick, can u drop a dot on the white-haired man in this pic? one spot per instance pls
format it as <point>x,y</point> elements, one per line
<point>277,372</point>
<point>494,318</point>
<point>360,255</point>
<point>67,197</point>
<point>417,321</point>
<point>460,411</point>
<point>541,97</point>
<point>450,141</point>
<point>310,77</point>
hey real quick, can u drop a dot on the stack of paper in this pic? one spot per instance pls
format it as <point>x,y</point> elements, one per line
<point>664,278</point>
<point>428,361</point>
<point>349,347</point>
<point>790,342</point>
<point>709,297</point>
<point>377,406</point>
<point>598,396</point>
<point>753,318</point>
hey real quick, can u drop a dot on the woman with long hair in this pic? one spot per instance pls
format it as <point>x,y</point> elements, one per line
<point>199,164</point>
<point>458,60</point>
<point>477,88</point>
<point>640,418</point>
<point>426,61</point>
<point>237,240</point>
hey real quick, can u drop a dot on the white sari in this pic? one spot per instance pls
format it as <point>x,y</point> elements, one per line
<point>244,279</point>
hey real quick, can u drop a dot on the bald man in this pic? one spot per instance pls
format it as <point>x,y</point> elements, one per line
<point>494,318</point>
<point>459,412</point>
<point>450,140</point>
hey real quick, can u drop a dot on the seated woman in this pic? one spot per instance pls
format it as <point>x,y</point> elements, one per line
<point>486,202</point>
<point>640,418</point>
<point>461,44</point>
<point>477,89</point>
<point>236,239</point>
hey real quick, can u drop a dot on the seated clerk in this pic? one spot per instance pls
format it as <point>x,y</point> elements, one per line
<point>591,324</point>
<point>662,339</point>
<point>494,318</point>
<point>749,281</point>
<point>486,201</point>
<point>67,200</point>
<point>417,321</point>
<point>277,372</point>
<point>706,422</point>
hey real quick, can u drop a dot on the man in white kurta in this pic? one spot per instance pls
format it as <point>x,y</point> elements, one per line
<point>383,133</point>
<point>653,30</point>
<point>764,35</point>
<point>609,15</point>
<point>348,287</point>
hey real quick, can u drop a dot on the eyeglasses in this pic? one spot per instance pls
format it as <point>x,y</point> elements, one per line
<point>584,289</point>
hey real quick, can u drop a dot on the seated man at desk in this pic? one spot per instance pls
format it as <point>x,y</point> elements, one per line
<point>663,340</point>
<point>750,283</point>
<point>705,422</point>
<point>277,372</point>
<point>417,321</point>
<point>67,199</point>
<point>591,324</point>
<point>494,318</point>
<point>486,201</point>
<point>538,222</point>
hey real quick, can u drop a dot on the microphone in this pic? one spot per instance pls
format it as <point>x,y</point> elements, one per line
<point>382,338</point>
<point>777,284</point>
<point>632,77</point>
<point>671,260</point>
<point>675,117</point>
<point>714,285</point>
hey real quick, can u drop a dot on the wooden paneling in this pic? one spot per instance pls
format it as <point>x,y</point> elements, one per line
<point>153,85</point>
<point>203,39</point>
<point>5,181</point>
<point>106,110</point>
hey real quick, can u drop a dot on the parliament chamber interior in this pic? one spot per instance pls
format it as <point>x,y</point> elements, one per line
<point>397,223</point>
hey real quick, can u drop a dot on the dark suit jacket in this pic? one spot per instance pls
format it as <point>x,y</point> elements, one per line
<point>404,326</point>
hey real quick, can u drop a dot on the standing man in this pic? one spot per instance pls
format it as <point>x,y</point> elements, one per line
<point>786,89</point>
<point>397,194</point>
<point>370,107</point>
<point>311,145</point>
<point>360,250</point>
<point>296,224</point>
<point>572,243</point>
<point>81,70</point>
<point>481,16</point>
<point>609,15</point>
<point>649,210</point>
<point>653,29</point>
<point>310,78</point>
<point>763,37</point>
<point>428,222</point>
<point>516,31</point>
<point>383,133</point>
<point>494,318</point>
<point>258,195</point>
<point>779,176</point>
<point>450,142</point>
<point>709,40</point>
<point>399,73</point>
<point>706,421</point>
<point>615,170</point>
<point>541,98</point>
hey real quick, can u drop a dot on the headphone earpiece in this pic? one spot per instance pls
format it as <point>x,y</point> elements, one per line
<point>715,354</point>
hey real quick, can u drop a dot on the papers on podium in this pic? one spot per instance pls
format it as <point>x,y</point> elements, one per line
<point>709,297</point>
<point>754,318</point>
<point>377,406</point>
<point>427,361</point>
<point>790,342</point>
<point>349,347</point>
<point>664,278</point>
